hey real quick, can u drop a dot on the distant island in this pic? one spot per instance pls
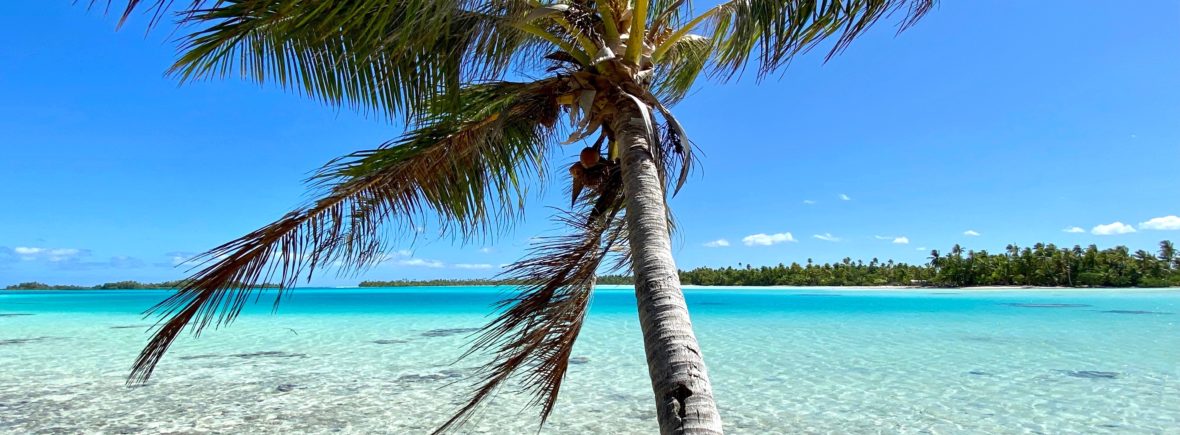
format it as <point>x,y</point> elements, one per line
<point>118,285</point>
<point>1041,265</point>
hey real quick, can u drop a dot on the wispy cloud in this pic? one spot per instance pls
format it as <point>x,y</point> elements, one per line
<point>902,240</point>
<point>473,266</point>
<point>921,248</point>
<point>485,250</point>
<point>1074,230</point>
<point>845,197</point>
<point>809,202</point>
<point>828,237</point>
<point>971,233</point>
<point>419,262</point>
<point>1112,228</point>
<point>1165,223</point>
<point>53,255</point>
<point>65,258</point>
<point>719,243</point>
<point>763,239</point>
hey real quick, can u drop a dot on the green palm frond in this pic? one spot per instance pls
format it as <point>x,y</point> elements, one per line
<point>774,31</point>
<point>468,166</point>
<point>530,341</point>
<point>677,71</point>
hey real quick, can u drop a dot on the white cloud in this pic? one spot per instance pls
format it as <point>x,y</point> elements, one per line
<point>418,262</point>
<point>921,248</point>
<point>971,233</point>
<point>485,250</point>
<point>1112,228</point>
<point>719,243</point>
<point>473,266</point>
<point>54,255</point>
<point>845,197</point>
<point>826,237</point>
<point>903,240</point>
<point>1074,230</point>
<point>883,237</point>
<point>763,239</point>
<point>1170,222</point>
<point>808,202</point>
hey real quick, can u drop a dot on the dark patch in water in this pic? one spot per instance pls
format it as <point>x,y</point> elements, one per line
<point>979,373</point>
<point>448,332</point>
<point>445,374</point>
<point>263,354</point>
<point>285,388</point>
<point>131,326</point>
<point>1046,305</point>
<point>14,314</point>
<point>270,354</point>
<point>25,340</point>
<point>391,341</point>
<point>579,360</point>
<point>1089,374</point>
<point>1134,312</point>
<point>979,338</point>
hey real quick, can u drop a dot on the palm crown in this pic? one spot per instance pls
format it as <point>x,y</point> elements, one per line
<point>475,141</point>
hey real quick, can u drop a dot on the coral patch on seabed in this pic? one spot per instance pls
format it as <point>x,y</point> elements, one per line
<point>14,314</point>
<point>1134,312</point>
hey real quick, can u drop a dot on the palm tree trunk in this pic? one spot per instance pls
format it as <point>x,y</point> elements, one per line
<point>684,398</point>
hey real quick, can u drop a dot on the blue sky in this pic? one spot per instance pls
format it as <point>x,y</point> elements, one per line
<point>1010,120</point>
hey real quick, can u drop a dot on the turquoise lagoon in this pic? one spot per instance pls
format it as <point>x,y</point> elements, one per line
<point>781,360</point>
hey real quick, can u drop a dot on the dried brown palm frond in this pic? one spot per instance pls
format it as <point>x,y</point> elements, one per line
<point>531,339</point>
<point>467,166</point>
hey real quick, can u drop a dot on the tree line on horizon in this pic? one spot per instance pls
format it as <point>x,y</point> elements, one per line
<point>1037,265</point>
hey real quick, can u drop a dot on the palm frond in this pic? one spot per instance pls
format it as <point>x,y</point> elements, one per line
<point>531,339</point>
<point>468,166</point>
<point>770,33</point>
<point>678,69</point>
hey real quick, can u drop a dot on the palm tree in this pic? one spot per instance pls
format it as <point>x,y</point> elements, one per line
<point>1167,253</point>
<point>475,141</point>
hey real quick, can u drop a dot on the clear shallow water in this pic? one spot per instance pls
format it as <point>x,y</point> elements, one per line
<point>782,361</point>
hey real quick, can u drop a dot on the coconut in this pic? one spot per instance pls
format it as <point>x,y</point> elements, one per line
<point>589,157</point>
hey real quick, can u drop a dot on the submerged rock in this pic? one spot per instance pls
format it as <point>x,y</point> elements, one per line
<point>1090,374</point>
<point>579,360</point>
<point>1134,312</point>
<point>1021,305</point>
<point>285,388</point>
<point>448,332</point>
<point>14,314</point>
<point>979,373</point>
<point>131,326</point>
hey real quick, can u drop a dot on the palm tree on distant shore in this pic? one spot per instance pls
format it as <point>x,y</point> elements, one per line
<point>607,73</point>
